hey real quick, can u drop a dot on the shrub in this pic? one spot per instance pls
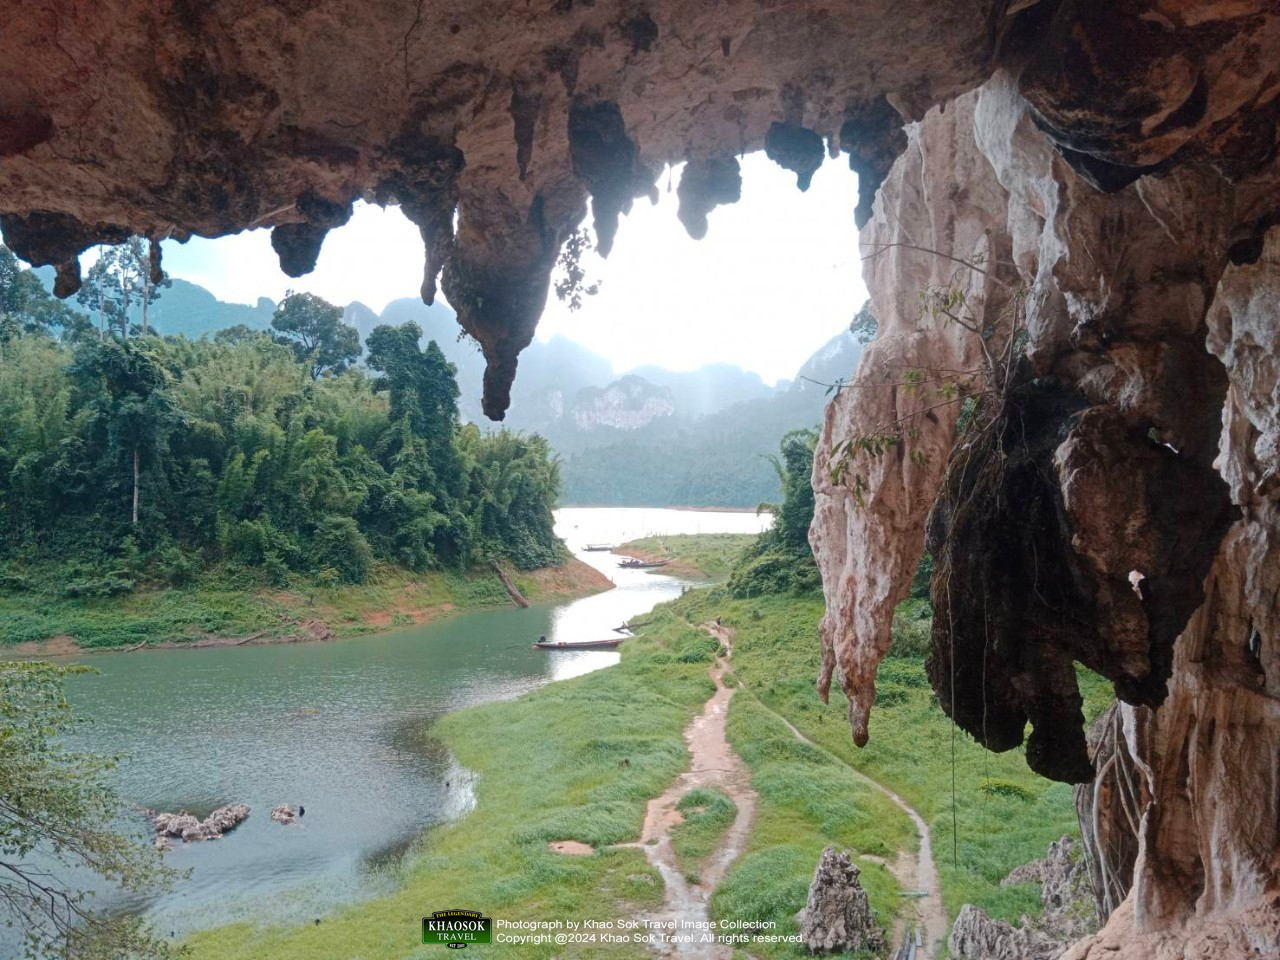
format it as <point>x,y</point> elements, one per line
<point>1005,788</point>
<point>912,630</point>
<point>340,544</point>
<point>14,582</point>
<point>114,584</point>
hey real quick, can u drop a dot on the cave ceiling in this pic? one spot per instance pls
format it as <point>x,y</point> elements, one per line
<point>497,126</point>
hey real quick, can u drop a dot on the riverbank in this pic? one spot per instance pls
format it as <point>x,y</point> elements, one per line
<point>698,556</point>
<point>577,760</point>
<point>562,778</point>
<point>226,610</point>
<point>572,767</point>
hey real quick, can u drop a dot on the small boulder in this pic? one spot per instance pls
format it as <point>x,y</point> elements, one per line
<point>283,814</point>
<point>174,824</point>
<point>1065,891</point>
<point>1066,917</point>
<point>227,818</point>
<point>837,916</point>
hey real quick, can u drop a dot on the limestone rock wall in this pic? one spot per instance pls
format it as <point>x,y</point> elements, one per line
<point>175,118</point>
<point>1120,512</point>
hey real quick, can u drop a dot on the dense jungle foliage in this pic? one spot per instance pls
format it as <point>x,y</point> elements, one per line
<point>781,560</point>
<point>127,457</point>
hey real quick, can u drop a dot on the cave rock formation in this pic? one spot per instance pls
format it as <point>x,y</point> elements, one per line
<point>1095,184</point>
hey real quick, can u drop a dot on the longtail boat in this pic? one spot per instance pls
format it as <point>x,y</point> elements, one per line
<point>582,645</point>
<point>597,547</point>
<point>635,563</point>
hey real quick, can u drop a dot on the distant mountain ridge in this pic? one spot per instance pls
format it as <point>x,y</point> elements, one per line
<point>188,309</point>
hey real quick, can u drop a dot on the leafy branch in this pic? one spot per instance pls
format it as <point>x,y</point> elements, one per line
<point>1000,332</point>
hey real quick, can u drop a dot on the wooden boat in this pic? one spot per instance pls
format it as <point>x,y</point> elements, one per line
<point>635,563</point>
<point>583,645</point>
<point>598,547</point>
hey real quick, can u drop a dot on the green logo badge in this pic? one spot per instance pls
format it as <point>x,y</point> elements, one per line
<point>457,928</point>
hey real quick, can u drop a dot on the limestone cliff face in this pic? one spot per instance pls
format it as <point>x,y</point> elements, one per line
<point>1120,510</point>
<point>626,404</point>
<point>1113,165</point>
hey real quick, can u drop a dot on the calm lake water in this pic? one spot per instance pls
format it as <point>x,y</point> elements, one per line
<point>342,728</point>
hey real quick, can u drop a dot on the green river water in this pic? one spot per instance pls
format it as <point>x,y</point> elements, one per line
<point>342,728</point>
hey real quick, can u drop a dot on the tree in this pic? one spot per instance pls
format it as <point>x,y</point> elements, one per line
<point>121,279</point>
<point>313,327</point>
<point>135,400</point>
<point>56,808</point>
<point>26,306</point>
<point>793,516</point>
<point>423,390</point>
<point>780,560</point>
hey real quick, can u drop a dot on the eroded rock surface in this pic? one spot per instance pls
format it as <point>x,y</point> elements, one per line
<point>975,936</point>
<point>1116,172</point>
<point>1117,509</point>
<point>1066,916</point>
<point>191,829</point>
<point>837,915</point>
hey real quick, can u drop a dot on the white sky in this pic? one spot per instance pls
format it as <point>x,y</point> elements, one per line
<point>777,275</point>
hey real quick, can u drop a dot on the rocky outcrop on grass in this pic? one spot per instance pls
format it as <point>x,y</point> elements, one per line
<point>837,916</point>
<point>1067,915</point>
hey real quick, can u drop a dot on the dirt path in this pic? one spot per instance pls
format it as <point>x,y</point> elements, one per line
<point>914,872</point>
<point>713,763</point>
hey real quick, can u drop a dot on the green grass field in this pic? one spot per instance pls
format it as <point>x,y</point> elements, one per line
<point>225,604</point>
<point>547,767</point>
<point>1004,814</point>
<point>701,556</point>
<point>806,801</point>
<point>707,813</point>
<point>578,760</point>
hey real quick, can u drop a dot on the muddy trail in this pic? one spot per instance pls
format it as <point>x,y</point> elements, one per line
<point>916,873</point>
<point>714,764</point>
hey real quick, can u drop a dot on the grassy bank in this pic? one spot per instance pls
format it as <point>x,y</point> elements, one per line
<point>1004,815</point>
<point>806,801</point>
<point>43,619</point>
<point>699,556</point>
<point>577,760</point>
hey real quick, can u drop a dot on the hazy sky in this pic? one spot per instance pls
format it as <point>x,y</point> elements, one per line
<point>776,276</point>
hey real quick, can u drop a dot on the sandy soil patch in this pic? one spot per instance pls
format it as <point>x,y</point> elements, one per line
<point>572,848</point>
<point>59,646</point>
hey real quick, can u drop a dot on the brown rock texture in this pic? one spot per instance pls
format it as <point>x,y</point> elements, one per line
<point>1113,501</point>
<point>176,118</point>
<point>1119,508</point>
<point>837,916</point>
<point>975,936</point>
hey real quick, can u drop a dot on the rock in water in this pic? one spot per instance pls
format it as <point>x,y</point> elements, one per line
<point>226,818</point>
<point>173,824</point>
<point>837,915</point>
<point>283,814</point>
<point>187,827</point>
